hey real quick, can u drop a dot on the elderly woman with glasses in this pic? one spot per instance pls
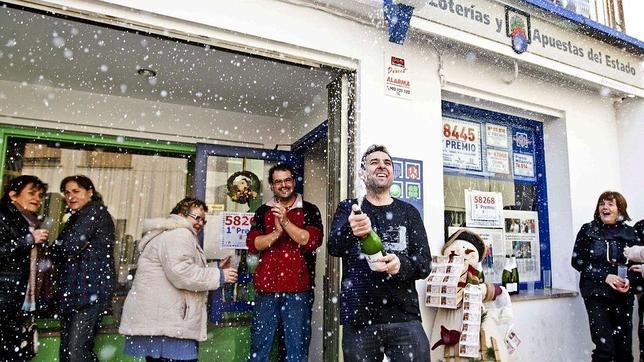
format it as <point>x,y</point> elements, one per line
<point>164,315</point>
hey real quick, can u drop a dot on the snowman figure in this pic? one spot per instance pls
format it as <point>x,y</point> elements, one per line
<point>453,326</point>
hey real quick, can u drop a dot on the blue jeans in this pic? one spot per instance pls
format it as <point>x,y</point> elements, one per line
<point>78,331</point>
<point>405,341</point>
<point>289,311</point>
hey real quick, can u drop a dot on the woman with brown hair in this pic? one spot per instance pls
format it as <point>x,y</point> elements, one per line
<point>606,291</point>
<point>19,235</point>
<point>164,315</point>
<point>83,254</point>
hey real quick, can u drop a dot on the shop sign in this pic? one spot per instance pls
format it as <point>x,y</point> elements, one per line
<point>462,144</point>
<point>488,19</point>
<point>397,80</point>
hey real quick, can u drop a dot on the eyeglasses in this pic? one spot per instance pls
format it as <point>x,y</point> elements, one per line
<point>288,180</point>
<point>198,218</point>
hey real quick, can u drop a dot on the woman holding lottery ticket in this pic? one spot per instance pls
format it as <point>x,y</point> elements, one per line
<point>605,281</point>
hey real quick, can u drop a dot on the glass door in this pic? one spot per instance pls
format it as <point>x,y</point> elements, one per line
<point>233,181</point>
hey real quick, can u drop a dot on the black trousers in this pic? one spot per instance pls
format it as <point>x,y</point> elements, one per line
<point>640,327</point>
<point>611,328</point>
<point>78,331</point>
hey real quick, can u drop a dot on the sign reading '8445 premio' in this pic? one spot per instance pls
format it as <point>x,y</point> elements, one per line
<point>462,144</point>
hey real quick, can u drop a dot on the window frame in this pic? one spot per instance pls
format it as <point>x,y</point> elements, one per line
<point>481,116</point>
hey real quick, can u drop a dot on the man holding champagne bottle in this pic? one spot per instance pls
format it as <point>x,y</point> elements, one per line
<point>384,250</point>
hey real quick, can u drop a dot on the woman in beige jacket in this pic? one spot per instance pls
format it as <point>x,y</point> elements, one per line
<point>164,315</point>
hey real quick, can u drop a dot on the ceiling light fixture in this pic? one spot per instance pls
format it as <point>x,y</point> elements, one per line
<point>146,72</point>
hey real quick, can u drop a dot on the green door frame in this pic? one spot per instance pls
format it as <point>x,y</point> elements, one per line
<point>74,137</point>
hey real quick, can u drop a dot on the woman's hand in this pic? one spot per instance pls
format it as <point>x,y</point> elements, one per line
<point>230,272</point>
<point>40,235</point>
<point>617,283</point>
<point>230,275</point>
<point>638,268</point>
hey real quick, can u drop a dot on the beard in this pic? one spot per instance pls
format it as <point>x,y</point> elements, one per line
<point>374,186</point>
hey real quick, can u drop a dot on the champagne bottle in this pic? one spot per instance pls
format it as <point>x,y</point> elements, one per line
<point>481,272</point>
<point>371,244</point>
<point>510,276</point>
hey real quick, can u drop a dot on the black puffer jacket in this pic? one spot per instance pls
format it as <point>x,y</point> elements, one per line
<point>595,241</point>
<point>83,254</point>
<point>16,242</point>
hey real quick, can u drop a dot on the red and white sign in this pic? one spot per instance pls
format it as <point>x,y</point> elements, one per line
<point>496,136</point>
<point>234,228</point>
<point>498,161</point>
<point>397,82</point>
<point>523,165</point>
<point>483,209</point>
<point>462,144</point>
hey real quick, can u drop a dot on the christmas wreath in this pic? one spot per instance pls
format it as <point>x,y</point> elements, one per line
<point>242,186</point>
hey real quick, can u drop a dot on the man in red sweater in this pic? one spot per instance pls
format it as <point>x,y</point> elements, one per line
<point>285,233</point>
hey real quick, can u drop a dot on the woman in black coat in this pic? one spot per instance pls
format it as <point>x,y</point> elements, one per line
<point>19,233</point>
<point>598,255</point>
<point>83,253</point>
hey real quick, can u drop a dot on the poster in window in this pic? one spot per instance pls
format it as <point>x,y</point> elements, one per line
<point>496,135</point>
<point>483,209</point>
<point>498,161</point>
<point>523,165</point>
<point>523,141</point>
<point>523,152</point>
<point>234,228</point>
<point>522,241</point>
<point>462,144</point>
<point>493,261</point>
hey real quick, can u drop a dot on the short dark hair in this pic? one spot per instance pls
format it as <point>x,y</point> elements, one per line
<point>183,207</point>
<point>371,149</point>
<point>20,183</point>
<point>619,200</point>
<point>85,183</point>
<point>280,167</point>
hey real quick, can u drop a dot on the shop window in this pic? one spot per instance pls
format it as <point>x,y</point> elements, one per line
<point>136,184</point>
<point>495,185</point>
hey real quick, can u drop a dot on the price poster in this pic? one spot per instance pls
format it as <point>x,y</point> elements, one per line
<point>496,135</point>
<point>523,165</point>
<point>462,144</point>
<point>498,161</point>
<point>234,228</point>
<point>483,209</point>
<point>523,149</point>
<point>397,80</point>
<point>522,241</point>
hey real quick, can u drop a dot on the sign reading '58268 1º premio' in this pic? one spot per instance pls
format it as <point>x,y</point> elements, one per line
<point>462,144</point>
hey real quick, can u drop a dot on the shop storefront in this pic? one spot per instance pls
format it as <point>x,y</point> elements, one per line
<point>158,103</point>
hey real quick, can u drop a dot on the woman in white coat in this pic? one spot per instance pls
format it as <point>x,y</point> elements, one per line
<point>164,315</point>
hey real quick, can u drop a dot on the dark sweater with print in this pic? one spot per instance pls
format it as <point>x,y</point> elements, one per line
<point>375,297</point>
